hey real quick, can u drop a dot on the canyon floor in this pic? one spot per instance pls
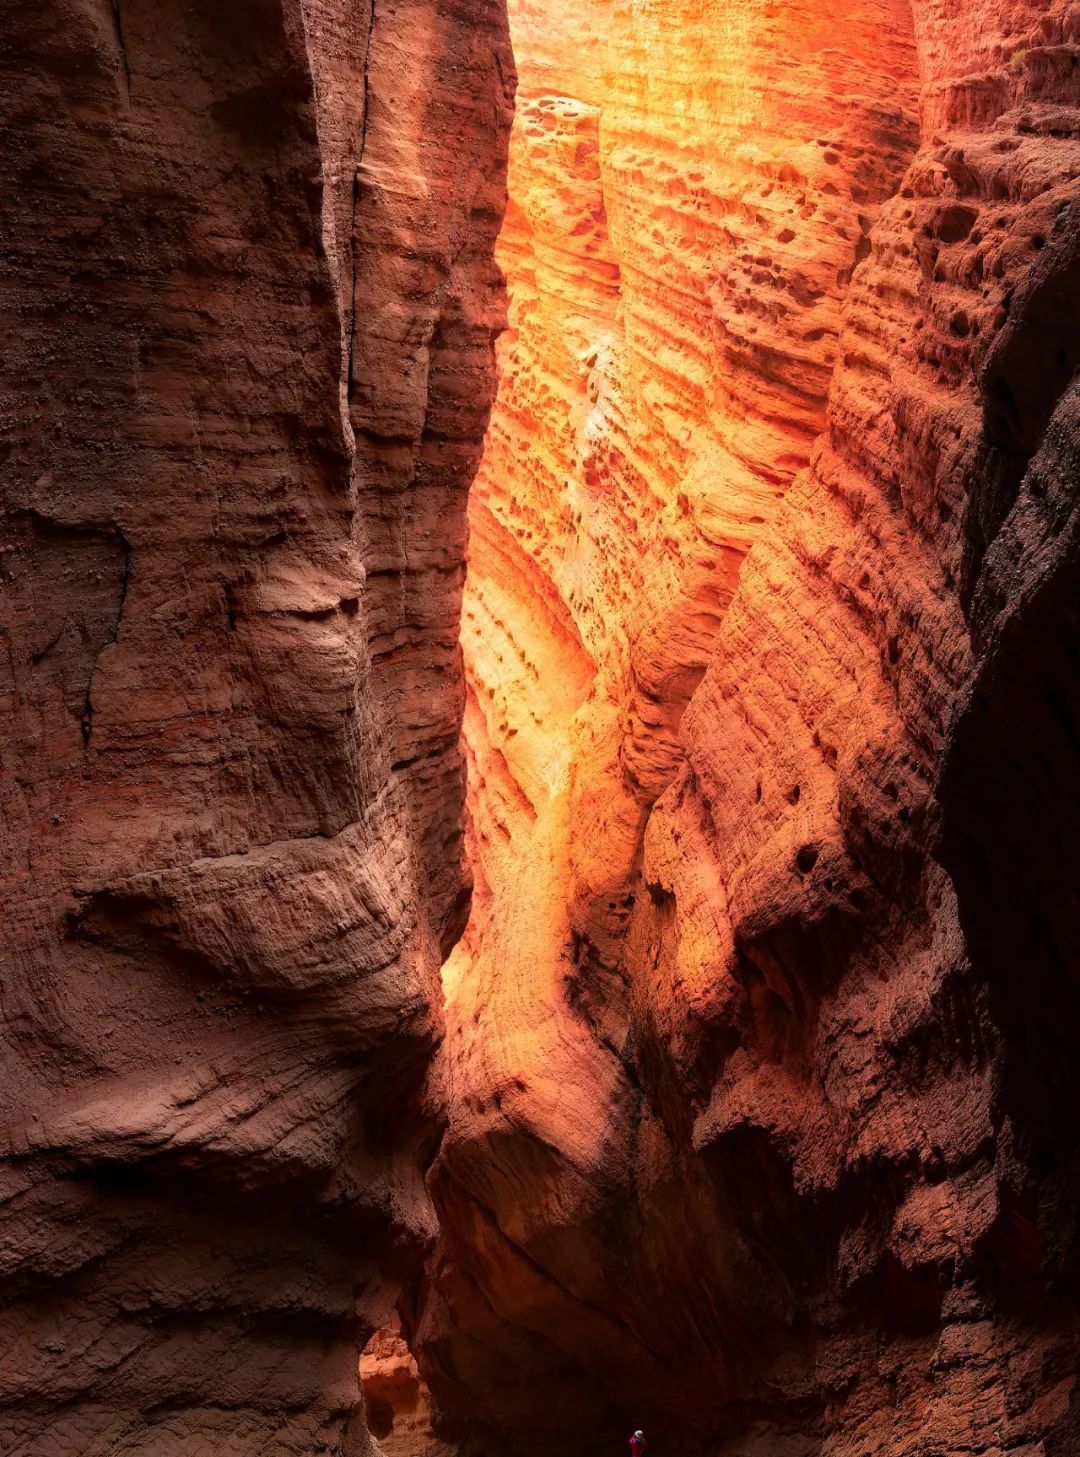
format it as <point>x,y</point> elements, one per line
<point>541,728</point>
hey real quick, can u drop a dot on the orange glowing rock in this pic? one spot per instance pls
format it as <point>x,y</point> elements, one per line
<point>687,202</point>
<point>689,195</point>
<point>720,1075</point>
<point>688,198</point>
<point>397,1403</point>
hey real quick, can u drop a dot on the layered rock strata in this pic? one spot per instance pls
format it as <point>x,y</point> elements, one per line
<point>249,303</point>
<point>760,1053</point>
<point>761,1040</point>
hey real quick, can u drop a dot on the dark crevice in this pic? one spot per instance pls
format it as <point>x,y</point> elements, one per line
<point>361,151</point>
<point>118,27</point>
<point>87,718</point>
<point>491,1221</point>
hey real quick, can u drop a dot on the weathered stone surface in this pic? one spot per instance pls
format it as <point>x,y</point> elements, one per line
<point>248,302</point>
<point>760,1056</point>
<point>761,1043</point>
<point>397,1403</point>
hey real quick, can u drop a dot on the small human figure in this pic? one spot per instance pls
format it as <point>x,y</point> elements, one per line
<point>637,1445</point>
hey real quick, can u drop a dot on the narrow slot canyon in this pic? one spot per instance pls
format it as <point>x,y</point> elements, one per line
<point>542,728</point>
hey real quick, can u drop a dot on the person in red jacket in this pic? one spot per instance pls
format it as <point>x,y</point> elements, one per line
<point>637,1445</point>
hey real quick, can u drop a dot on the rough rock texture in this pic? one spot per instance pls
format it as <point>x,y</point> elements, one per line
<point>397,1403</point>
<point>248,302</point>
<point>689,194</point>
<point>761,1043</point>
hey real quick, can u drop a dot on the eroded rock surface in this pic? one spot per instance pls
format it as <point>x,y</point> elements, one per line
<point>761,1040</point>
<point>397,1402</point>
<point>760,1045</point>
<point>249,303</point>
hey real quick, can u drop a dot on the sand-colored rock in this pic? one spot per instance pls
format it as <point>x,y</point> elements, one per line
<point>249,302</point>
<point>397,1403</point>
<point>762,1094</point>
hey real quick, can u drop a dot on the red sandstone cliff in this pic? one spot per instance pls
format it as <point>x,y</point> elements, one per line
<point>761,1041</point>
<point>248,305</point>
<point>759,1069</point>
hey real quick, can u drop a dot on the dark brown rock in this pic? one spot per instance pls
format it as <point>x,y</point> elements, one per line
<point>239,424</point>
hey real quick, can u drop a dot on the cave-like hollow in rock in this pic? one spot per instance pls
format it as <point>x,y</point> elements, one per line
<point>541,755</point>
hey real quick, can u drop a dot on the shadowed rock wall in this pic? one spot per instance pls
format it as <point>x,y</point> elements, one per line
<point>248,303</point>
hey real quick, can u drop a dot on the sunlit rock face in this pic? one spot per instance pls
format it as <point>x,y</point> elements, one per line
<point>689,194</point>
<point>760,1042</point>
<point>249,303</point>
<point>397,1403</point>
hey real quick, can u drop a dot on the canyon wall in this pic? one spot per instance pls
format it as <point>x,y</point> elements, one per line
<point>761,1041</point>
<point>249,305</point>
<point>759,1046</point>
